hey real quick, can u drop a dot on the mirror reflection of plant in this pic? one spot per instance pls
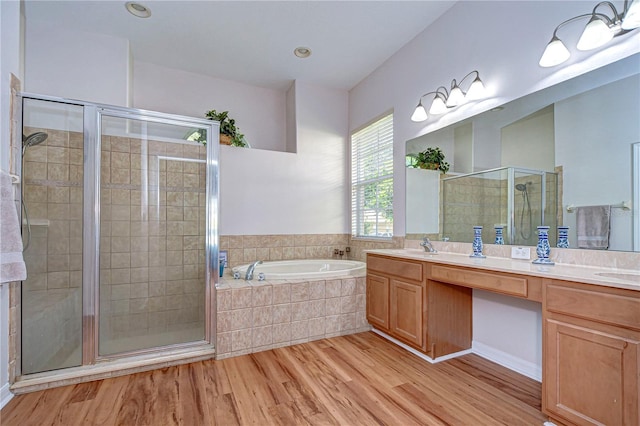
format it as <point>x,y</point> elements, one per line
<point>431,159</point>
<point>227,127</point>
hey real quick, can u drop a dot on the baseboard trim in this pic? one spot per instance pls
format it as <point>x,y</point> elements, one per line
<point>418,353</point>
<point>506,360</point>
<point>526,368</point>
<point>5,395</point>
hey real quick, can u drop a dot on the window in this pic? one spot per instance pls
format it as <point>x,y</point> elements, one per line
<point>372,180</point>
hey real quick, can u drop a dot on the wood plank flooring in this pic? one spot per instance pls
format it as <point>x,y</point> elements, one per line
<point>359,379</point>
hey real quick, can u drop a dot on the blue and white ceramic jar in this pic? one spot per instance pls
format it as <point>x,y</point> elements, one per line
<point>543,249</point>
<point>477,242</point>
<point>563,237</point>
<point>499,238</point>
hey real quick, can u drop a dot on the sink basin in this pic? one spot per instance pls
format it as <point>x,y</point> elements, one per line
<point>620,276</point>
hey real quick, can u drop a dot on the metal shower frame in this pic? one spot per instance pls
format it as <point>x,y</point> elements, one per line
<point>92,118</point>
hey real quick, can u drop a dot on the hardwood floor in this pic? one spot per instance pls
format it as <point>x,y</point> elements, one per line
<point>359,379</point>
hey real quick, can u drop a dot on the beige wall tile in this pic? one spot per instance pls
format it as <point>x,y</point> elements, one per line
<point>262,316</point>
<point>299,292</point>
<point>299,330</point>
<point>300,311</point>
<point>241,298</point>
<point>262,336</point>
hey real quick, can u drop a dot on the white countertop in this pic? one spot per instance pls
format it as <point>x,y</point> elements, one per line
<point>627,278</point>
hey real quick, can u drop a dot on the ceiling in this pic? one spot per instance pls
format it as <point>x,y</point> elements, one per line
<point>253,41</point>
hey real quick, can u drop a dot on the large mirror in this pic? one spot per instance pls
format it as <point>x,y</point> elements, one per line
<point>550,154</point>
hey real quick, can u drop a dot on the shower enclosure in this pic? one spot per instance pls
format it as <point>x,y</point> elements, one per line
<point>515,198</point>
<point>120,233</point>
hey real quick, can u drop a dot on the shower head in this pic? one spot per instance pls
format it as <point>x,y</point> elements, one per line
<point>33,140</point>
<point>521,187</point>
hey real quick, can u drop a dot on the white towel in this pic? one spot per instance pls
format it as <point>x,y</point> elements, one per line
<point>12,267</point>
<point>592,226</point>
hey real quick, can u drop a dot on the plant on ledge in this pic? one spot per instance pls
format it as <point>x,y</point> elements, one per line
<point>430,159</point>
<point>229,133</point>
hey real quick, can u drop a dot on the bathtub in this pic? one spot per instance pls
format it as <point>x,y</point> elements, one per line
<point>305,269</point>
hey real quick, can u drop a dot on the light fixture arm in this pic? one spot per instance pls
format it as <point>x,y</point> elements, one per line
<point>575,18</point>
<point>465,77</point>
<point>616,15</point>
<point>428,93</point>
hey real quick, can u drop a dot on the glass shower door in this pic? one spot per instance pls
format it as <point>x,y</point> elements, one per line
<point>52,225</point>
<point>152,235</point>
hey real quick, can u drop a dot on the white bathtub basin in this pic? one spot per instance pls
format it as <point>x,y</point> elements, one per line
<point>305,269</point>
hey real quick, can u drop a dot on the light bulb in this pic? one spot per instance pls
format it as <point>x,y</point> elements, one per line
<point>456,97</point>
<point>554,54</point>
<point>595,34</point>
<point>437,106</point>
<point>476,90</point>
<point>420,114</point>
<point>631,19</point>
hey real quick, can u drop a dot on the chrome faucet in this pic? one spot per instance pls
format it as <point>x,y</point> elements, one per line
<point>426,243</point>
<point>250,269</point>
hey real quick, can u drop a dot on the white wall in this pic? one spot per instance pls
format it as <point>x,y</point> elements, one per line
<point>503,41</point>
<point>594,133</point>
<point>76,65</point>
<point>269,192</point>
<point>260,113</point>
<point>530,142</point>
<point>10,63</point>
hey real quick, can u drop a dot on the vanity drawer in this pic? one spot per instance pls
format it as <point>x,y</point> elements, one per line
<point>507,284</point>
<point>606,307</point>
<point>400,268</point>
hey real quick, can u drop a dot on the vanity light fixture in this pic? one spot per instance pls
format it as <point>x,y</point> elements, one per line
<point>444,99</point>
<point>600,29</point>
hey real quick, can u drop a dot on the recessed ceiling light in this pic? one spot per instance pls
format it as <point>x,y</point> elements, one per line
<point>138,9</point>
<point>302,52</point>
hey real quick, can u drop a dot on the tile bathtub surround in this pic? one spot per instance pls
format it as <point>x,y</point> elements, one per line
<point>244,249</point>
<point>255,316</point>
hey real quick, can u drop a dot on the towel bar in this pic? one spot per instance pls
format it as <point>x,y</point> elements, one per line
<point>625,205</point>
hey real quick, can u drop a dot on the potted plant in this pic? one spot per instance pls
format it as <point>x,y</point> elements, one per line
<point>430,159</point>
<point>229,133</point>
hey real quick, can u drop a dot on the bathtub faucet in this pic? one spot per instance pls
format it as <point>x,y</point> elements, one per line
<point>250,269</point>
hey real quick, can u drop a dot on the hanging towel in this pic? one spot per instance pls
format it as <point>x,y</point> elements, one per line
<point>592,226</point>
<point>12,267</point>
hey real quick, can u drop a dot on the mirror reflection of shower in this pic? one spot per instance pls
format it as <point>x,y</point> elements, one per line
<point>28,141</point>
<point>525,231</point>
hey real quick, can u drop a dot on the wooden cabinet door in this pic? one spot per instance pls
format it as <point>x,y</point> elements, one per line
<point>591,376</point>
<point>406,304</point>
<point>378,301</point>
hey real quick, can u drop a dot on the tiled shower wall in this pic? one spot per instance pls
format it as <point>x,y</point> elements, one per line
<point>51,294</point>
<point>152,268</point>
<point>152,238</point>
<point>472,201</point>
<point>475,201</point>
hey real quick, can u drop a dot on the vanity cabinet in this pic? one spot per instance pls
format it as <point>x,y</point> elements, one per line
<point>431,316</point>
<point>591,354</point>
<point>407,307</point>
<point>590,333</point>
<point>378,301</point>
<point>396,298</point>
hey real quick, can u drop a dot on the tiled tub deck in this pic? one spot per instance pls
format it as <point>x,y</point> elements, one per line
<point>254,316</point>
